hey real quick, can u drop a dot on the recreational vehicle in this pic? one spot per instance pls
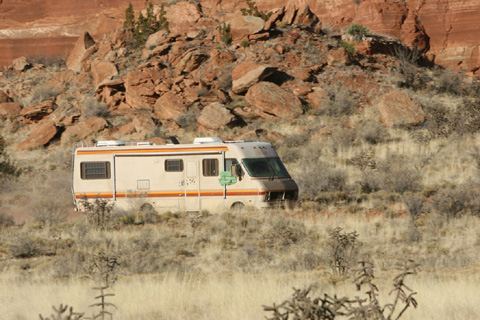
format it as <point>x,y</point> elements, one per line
<point>209,174</point>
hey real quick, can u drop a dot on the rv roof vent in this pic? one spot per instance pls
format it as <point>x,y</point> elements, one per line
<point>145,143</point>
<point>207,140</point>
<point>110,143</point>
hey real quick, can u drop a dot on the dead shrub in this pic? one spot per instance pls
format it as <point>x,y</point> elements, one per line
<point>317,176</point>
<point>397,174</point>
<point>372,132</point>
<point>326,307</point>
<point>22,244</point>
<point>6,220</point>
<point>454,201</point>
<point>342,102</point>
<point>94,108</point>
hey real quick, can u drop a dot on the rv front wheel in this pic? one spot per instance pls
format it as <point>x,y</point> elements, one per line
<point>237,207</point>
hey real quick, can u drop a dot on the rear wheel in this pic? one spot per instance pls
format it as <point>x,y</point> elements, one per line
<point>237,207</point>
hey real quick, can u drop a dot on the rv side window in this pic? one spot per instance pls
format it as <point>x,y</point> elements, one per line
<point>174,165</point>
<point>210,167</point>
<point>95,170</point>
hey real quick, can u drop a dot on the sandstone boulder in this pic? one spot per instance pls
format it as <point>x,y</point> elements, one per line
<point>305,16</point>
<point>82,130</point>
<point>9,110</point>
<point>170,107</point>
<point>318,98</point>
<point>247,73</point>
<point>102,70</point>
<point>38,112</point>
<point>268,99</point>
<point>241,26</point>
<point>190,61</point>
<point>221,57</point>
<point>274,17</point>
<point>338,57</point>
<point>20,64</point>
<point>4,97</point>
<point>215,116</point>
<point>397,109</point>
<point>140,88</point>
<point>84,48</point>
<point>183,16</point>
<point>40,135</point>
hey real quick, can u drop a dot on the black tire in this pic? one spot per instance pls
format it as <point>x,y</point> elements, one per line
<point>237,207</point>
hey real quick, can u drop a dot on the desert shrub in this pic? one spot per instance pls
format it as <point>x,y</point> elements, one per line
<point>453,201</point>
<point>252,10</point>
<point>412,76</point>
<point>342,138</point>
<point>39,94</point>
<point>326,307</point>
<point>94,108</point>
<point>8,169</point>
<point>449,81</point>
<point>284,232</point>
<point>397,174</point>
<point>466,118</point>
<point>98,212</point>
<point>342,102</point>
<point>145,25</point>
<point>318,176</point>
<point>56,62</point>
<point>348,46</point>
<point>188,120</point>
<point>6,220</point>
<point>224,31</point>
<point>342,250</point>
<point>49,211</point>
<point>22,244</point>
<point>372,132</point>
<point>357,31</point>
<point>63,312</point>
<point>437,119</point>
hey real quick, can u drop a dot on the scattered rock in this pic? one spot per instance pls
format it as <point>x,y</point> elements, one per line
<point>241,26</point>
<point>140,88</point>
<point>247,74</point>
<point>82,130</point>
<point>38,112</point>
<point>215,116</point>
<point>269,100</point>
<point>318,97</point>
<point>84,48</point>
<point>338,57</point>
<point>9,110</point>
<point>102,70</point>
<point>40,135</point>
<point>21,64</point>
<point>4,97</point>
<point>397,109</point>
<point>170,107</point>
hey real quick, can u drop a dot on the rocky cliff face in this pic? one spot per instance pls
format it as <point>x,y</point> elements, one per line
<point>447,29</point>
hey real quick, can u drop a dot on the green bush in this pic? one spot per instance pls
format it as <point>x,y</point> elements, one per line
<point>348,46</point>
<point>252,10</point>
<point>357,31</point>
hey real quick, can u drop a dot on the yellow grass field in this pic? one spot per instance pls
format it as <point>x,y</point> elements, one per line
<point>447,287</point>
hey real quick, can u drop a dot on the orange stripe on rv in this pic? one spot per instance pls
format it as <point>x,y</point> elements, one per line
<point>156,150</point>
<point>154,194</point>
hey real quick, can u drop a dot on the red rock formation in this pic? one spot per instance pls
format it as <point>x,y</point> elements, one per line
<point>447,28</point>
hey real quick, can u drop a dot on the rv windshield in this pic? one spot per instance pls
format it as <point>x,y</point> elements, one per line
<point>265,167</point>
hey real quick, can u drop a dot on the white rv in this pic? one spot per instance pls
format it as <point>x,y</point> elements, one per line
<point>207,175</point>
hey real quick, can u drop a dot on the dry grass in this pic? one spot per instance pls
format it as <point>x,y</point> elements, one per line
<point>228,296</point>
<point>228,266</point>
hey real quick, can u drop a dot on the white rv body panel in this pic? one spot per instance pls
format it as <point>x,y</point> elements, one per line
<point>181,177</point>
